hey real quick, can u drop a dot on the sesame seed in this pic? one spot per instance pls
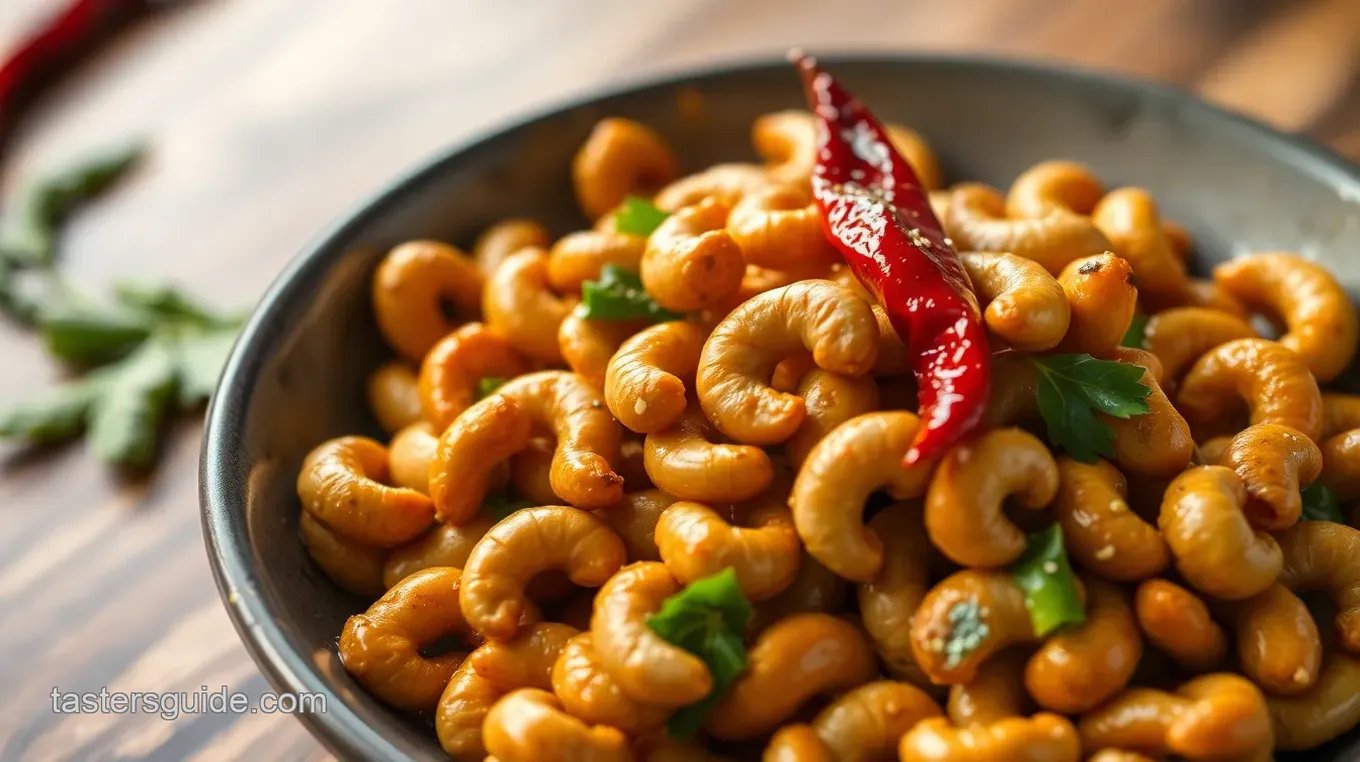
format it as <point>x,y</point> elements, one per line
<point>1301,676</point>
<point>1117,505</point>
<point>1050,567</point>
<point>640,406</point>
<point>1105,553</point>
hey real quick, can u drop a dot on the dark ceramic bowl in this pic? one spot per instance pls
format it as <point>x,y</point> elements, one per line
<point>296,376</point>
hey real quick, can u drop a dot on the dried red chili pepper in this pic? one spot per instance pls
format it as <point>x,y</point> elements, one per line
<point>875,211</point>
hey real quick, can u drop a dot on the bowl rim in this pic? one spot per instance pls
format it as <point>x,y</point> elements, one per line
<point>221,504</point>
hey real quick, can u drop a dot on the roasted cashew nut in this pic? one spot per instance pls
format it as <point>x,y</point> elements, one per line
<point>1323,326</point>
<point>1181,335</point>
<point>588,345</point>
<point>1274,462</point>
<point>1078,667</point>
<point>1320,555</point>
<point>456,363</point>
<point>829,400</point>
<point>1217,716</point>
<point>1157,444</point>
<point>505,238</point>
<point>781,227</point>
<point>1278,643</point>
<point>1341,464</point>
<point>1327,710</point>
<point>1042,738</point>
<point>353,566</point>
<point>1052,186</point>
<point>499,426</point>
<point>528,725</point>
<point>1207,293</point>
<point>1025,306</point>
<point>1340,413</point>
<point>343,484</point>
<point>411,287</point>
<point>381,648</point>
<point>634,520</point>
<point>394,396</point>
<point>795,659</point>
<point>976,221</point>
<point>687,462</point>
<point>620,157</point>
<point>648,669</point>
<point>725,184</point>
<point>788,141</point>
<point>1176,621</point>
<point>531,472</point>
<point>858,458</point>
<point>888,601</point>
<point>866,722</point>
<point>796,742</point>
<point>995,693</point>
<point>644,383</point>
<point>1129,219</point>
<point>1101,298</point>
<point>1000,604</point>
<point>1214,547</point>
<point>1275,383</point>
<point>696,542</point>
<point>519,305</point>
<point>691,262</point>
<point>588,692</point>
<point>1101,532</point>
<point>410,454</point>
<point>970,485</point>
<point>524,661</point>
<point>740,355</point>
<point>463,707</point>
<point>444,545</point>
<point>581,256</point>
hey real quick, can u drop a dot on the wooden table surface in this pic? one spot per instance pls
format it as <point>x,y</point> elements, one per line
<point>270,117</point>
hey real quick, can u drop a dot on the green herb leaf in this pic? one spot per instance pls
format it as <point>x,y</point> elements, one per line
<point>125,420</point>
<point>167,302</point>
<point>488,385</point>
<point>498,505</point>
<point>56,415</point>
<point>1321,504</point>
<point>618,295</point>
<point>1133,337</point>
<point>1045,575</point>
<point>200,353</point>
<point>1073,388</point>
<point>638,216</point>
<point>707,619</point>
<point>84,332</point>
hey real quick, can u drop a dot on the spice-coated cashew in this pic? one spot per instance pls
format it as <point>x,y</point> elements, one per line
<point>381,647</point>
<point>1181,335</point>
<point>1054,185</point>
<point>1325,711</point>
<point>647,668</point>
<point>858,458</point>
<point>1275,383</point>
<point>1025,306</point>
<point>394,396</point>
<point>963,505</point>
<point>995,693</point>
<point>866,722</point>
<point>1274,462</point>
<point>444,545</point>
<point>620,157</point>
<point>452,368</point>
<point>352,566</point>
<point>758,280</point>
<point>1100,530</point>
<point>1206,293</point>
<point>814,589</point>
<point>644,383</point>
<point>1278,643</point>
<point>725,184</point>
<point>528,725</point>
<point>893,358</point>
<point>411,287</point>
<point>524,661</point>
<point>578,257</point>
<point>740,355</point>
<point>696,542</point>
<point>796,742</point>
<point>588,692</point>
<point>1078,667</point>
<point>1000,604</point>
<point>829,400</point>
<point>463,707</point>
<point>691,262</point>
<point>500,425</point>
<point>795,659</point>
<point>1129,219</point>
<point>1341,464</point>
<point>1102,298</point>
<point>1217,716</point>
<point>977,221</point>
<point>1042,738</point>
<point>505,238</point>
<point>527,542</point>
<point>587,345</point>
<point>1340,413</point>
<point>788,141</point>
<point>1176,621</point>
<point>1320,555</point>
<point>343,483</point>
<point>1323,326</point>
<point>1214,547</point>
<point>409,456</point>
<point>531,472</point>
<point>1159,443</point>
<point>519,305</point>
<point>634,520</point>
<point>780,227</point>
<point>888,601</point>
<point>685,461</point>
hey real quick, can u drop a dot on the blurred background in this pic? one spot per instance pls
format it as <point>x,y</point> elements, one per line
<point>268,118</point>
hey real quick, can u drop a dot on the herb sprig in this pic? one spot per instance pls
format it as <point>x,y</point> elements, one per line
<point>1071,389</point>
<point>618,295</point>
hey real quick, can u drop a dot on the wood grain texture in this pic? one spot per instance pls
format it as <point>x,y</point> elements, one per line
<point>270,118</point>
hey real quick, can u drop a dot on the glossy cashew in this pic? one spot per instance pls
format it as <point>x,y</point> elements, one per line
<point>620,157</point>
<point>796,742</point>
<point>588,692</point>
<point>1078,667</point>
<point>394,396</point>
<point>1278,644</point>
<point>1042,738</point>
<point>1157,444</point>
<point>518,304</point>
<point>1341,464</point>
<point>634,520</point>
<point>1277,386</point>
<point>578,257</point>
<point>1129,219</point>
<point>866,722</point>
<point>688,460</point>
<point>780,227</point>
<point>524,661</point>
<point>1176,621</point>
<point>1100,530</point>
<point>588,345</point>
<point>1274,462</point>
<point>1001,607</point>
<point>976,221</point>
<point>1214,547</point>
<point>1340,413</point>
<point>454,366</point>
<point>528,725</point>
<point>409,456</point>
<point>505,238</point>
<point>1025,306</point>
<point>1323,326</point>
<point>691,262</point>
<point>829,400</point>
<point>1206,293</point>
<point>531,472</point>
<point>444,545</point>
<point>1052,186</point>
<point>696,542</point>
<point>462,708</point>
<point>995,693</point>
<point>353,566</point>
<point>412,288</point>
<point>725,184</point>
<point>1181,335</point>
<point>1326,711</point>
<point>526,543</point>
<point>1102,297</point>
<point>888,601</point>
<point>644,383</point>
<point>343,483</point>
<point>1320,555</point>
<point>1217,716</point>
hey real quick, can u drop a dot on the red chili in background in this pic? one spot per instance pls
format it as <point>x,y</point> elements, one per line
<point>875,211</point>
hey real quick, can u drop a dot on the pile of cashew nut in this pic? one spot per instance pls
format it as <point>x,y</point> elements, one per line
<point>764,433</point>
